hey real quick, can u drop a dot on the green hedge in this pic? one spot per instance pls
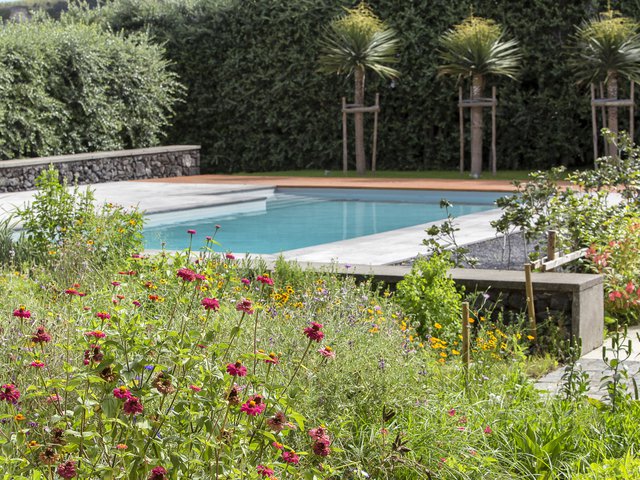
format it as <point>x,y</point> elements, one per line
<point>256,102</point>
<point>68,88</point>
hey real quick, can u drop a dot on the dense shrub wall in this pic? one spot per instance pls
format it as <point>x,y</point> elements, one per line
<point>70,88</point>
<point>256,102</point>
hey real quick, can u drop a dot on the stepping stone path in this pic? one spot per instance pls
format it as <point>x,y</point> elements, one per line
<point>593,364</point>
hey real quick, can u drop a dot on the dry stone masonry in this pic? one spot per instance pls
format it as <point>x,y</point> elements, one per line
<point>155,162</point>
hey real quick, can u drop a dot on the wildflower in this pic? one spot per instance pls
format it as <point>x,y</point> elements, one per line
<point>186,275</point>
<point>159,473</point>
<point>136,303</point>
<point>67,469</point>
<point>48,456</point>
<point>278,422</point>
<point>122,393</point>
<point>33,444</point>
<point>103,315</point>
<point>93,354</point>
<point>57,436</point>
<point>452,412</point>
<point>487,430</point>
<point>122,446</point>
<point>162,383</point>
<point>41,336</point>
<point>208,238</point>
<point>265,279</point>
<point>230,256</point>
<point>291,457</point>
<point>115,284</point>
<point>321,441</point>
<point>437,325</point>
<point>19,418</point>
<point>195,388</point>
<point>278,446</point>
<point>327,352</point>
<point>132,406</point>
<point>191,232</point>
<point>233,397</point>
<point>22,312</point>
<point>314,332</point>
<point>37,364</point>
<point>273,359</point>
<point>210,304</point>
<point>95,334</point>
<point>72,291</point>
<point>9,393</point>
<point>53,398</point>
<point>236,369</point>
<point>246,281</point>
<point>264,471</point>
<point>254,406</point>
<point>245,306</point>
<point>200,277</point>
<point>530,337</point>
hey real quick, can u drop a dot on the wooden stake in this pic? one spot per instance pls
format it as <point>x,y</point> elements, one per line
<point>594,122</point>
<point>375,134</point>
<point>604,119</point>
<point>632,110</point>
<point>466,353</point>
<point>493,131</point>
<point>461,115</point>
<point>530,304</point>
<point>551,246</point>
<point>344,135</point>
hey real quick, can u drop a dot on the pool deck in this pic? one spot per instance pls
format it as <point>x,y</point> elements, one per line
<point>181,193</point>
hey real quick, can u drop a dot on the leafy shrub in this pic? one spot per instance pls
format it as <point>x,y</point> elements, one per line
<point>70,87</point>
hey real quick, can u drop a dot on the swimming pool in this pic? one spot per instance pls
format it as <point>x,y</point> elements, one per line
<point>293,218</point>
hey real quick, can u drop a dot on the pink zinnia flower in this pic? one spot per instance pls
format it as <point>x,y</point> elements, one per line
<point>314,332</point>
<point>291,457</point>
<point>72,291</point>
<point>158,473</point>
<point>195,388</point>
<point>630,288</point>
<point>121,393</point>
<point>278,422</point>
<point>254,406</point>
<point>93,354</point>
<point>451,412</point>
<point>37,364</point>
<point>246,281</point>
<point>245,305</point>
<point>321,441</point>
<point>265,471</point>
<point>103,315</point>
<point>115,284</point>
<point>191,232</point>
<point>277,445</point>
<point>95,334</point>
<point>67,469</point>
<point>487,430</point>
<point>53,398</point>
<point>613,296</point>
<point>273,359</point>
<point>136,303</point>
<point>132,406</point>
<point>327,352</point>
<point>41,336</point>
<point>230,256</point>
<point>200,277</point>
<point>236,369</point>
<point>210,304</point>
<point>186,274</point>
<point>264,279</point>
<point>22,312</point>
<point>122,446</point>
<point>9,393</point>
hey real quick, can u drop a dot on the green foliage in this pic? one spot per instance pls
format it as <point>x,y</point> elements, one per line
<point>429,297</point>
<point>625,468</point>
<point>69,87</point>
<point>256,102</point>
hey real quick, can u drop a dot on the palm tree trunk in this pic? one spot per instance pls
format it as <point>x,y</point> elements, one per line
<point>612,112</point>
<point>361,161</point>
<point>476,126</point>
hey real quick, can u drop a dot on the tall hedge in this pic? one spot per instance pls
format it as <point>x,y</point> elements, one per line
<point>71,87</point>
<point>256,102</point>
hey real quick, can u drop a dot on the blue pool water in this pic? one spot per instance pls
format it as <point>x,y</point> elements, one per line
<point>295,218</point>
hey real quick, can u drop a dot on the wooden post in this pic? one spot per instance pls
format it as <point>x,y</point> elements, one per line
<point>466,353</point>
<point>594,121</point>
<point>603,111</point>
<point>493,131</point>
<point>551,246</point>
<point>530,304</point>
<point>632,110</point>
<point>461,115</point>
<point>344,135</point>
<point>375,135</point>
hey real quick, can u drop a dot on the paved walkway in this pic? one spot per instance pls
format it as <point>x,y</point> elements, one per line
<point>593,364</point>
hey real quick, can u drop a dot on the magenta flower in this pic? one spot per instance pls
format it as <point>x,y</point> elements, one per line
<point>264,471</point>
<point>291,457</point>
<point>186,274</point>
<point>327,352</point>
<point>195,388</point>
<point>191,232</point>
<point>37,364</point>
<point>41,336</point>
<point>93,354</point>
<point>254,406</point>
<point>273,359</point>
<point>158,473</point>
<point>314,332</point>
<point>246,281</point>
<point>115,284</point>
<point>95,334</point>
<point>245,306</point>
<point>9,393</point>
<point>136,303</point>
<point>236,369</point>
<point>279,422</point>
<point>200,277</point>
<point>321,441</point>
<point>230,256</point>
<point>67,469</point>
<point>487,430</point>
<point>73,291</point>
<point>22,312</point>
<point>210,304</point>
<point>451,412</point>
<point>103,315</point>
<point>132,406</point>
<point>122,393</point>
<point>265,279</point>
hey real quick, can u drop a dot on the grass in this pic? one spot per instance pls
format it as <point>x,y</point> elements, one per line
<point>429,174</point>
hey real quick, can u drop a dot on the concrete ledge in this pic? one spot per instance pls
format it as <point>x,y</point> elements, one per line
<point>579,296</point>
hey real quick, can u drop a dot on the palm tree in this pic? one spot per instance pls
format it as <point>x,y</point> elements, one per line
<point>608,47</point>
<point>477,48</point>
<point>353,43</point>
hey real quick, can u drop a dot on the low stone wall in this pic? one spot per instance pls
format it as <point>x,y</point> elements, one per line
<point>155,162</point>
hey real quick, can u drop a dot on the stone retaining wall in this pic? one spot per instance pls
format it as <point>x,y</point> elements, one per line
<point>155,162</point>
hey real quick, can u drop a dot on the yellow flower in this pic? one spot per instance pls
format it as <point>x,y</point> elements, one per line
<point>437,325</point>
<point>443,355</point>
<point>471,320</point>
<point>530,337</point>
<point>455,352</point>
<point>19,417</point>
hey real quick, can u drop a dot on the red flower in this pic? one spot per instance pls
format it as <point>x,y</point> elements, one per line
<point>195,388</point>
<point>158,473</point>
<point>72,291</point>
<point>291,457</point>
<point>22,312</point>
<point>264,471</point>
<point>264,279</point>
<point>201,277</point>
<point>191,232</point>
<point>327,352</point>
<point>103,315</point>
<point>95,334</point>
<point>41,336</point>
<point>273,359</point>
<point>186,274</point>
<point>314,332</point>
<point>67,469</point>
<point>115,284</point>
<point>278,446</point>
<point>122,393</point>
<point>230,256</point>
<point>321,441</point>
<point>132,406</point>
<point>246,281</point>
<point>37,364</point>
<point>452,412</point>
<point>236,369</point>
<point>245,305</point>
<point>210,304</point>
<point>9,393</point>
<point>487,430</point>
<point>254,406</point>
